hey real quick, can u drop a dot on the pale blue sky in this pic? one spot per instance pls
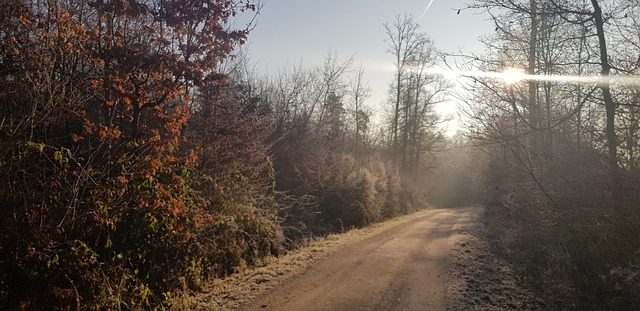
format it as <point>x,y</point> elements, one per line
<point>291,31</point>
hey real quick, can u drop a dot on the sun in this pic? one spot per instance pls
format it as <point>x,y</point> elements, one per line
<point>513,75</point>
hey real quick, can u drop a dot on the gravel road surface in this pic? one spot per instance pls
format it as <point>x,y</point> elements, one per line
<point>402,268</point>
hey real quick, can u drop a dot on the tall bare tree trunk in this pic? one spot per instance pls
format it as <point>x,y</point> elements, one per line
<point>610,107</point>
<point>534,109</point>
<point>406,127</point>
<point>396,111</point>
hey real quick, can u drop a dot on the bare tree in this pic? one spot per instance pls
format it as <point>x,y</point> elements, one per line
<point>415,91</point>
<point>360,91</point>
<point>404,41</point>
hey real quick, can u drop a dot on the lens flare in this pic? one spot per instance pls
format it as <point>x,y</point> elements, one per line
<point>515,75</point>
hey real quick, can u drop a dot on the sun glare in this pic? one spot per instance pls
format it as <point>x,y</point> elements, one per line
<point>513,75</point>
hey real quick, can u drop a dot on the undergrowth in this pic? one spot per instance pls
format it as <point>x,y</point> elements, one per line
<point>576,259</point>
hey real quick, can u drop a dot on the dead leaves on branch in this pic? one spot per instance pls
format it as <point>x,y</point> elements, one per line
<point>96,181</point>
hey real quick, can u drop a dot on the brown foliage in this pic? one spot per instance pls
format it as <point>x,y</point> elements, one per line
<point>97,207</point>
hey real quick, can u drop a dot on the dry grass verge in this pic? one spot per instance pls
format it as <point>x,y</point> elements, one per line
<point>233,291</point>
<point>480,280</point>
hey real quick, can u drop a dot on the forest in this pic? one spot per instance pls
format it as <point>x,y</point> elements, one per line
<point>562,146</point>
<point>141,157</point>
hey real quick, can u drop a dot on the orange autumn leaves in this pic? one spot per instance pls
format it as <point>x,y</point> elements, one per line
<point>106,89</point>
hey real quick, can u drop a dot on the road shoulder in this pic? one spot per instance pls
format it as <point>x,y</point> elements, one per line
<point>478,279</point>
<point>246,285</point>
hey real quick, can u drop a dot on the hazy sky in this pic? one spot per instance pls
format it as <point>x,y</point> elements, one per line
<point>294,31</point>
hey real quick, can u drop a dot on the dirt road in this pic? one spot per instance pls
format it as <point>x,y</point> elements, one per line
<point>402,268</point>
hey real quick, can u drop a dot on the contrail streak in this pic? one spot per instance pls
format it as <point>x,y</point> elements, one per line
<point>427,9</point>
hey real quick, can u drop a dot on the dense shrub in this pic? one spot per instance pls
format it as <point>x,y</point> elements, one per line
<point>105,204</point>
<point>236,215</point>
<point>586,249</point>
<point>349,193</point>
